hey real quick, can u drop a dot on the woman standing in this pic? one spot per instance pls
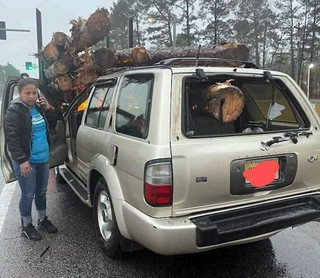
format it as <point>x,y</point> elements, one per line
<point>26,127</point>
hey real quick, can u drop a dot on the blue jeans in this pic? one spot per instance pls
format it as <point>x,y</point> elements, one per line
<point>33,186</point>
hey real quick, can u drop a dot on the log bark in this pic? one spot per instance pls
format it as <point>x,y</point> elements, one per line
<point>141,56</point>
<point>232,51</point>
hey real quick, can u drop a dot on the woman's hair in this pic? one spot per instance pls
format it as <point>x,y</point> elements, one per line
<point>26,81</point>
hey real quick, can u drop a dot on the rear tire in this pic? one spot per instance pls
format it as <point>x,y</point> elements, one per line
<point>105,222</point>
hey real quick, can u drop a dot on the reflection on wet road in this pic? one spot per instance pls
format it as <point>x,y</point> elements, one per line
<point>74,251</point>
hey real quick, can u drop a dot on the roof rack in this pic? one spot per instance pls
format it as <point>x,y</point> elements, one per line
<point>190,61</point>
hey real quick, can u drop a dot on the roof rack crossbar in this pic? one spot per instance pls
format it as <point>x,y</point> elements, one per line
<point>171,61</point>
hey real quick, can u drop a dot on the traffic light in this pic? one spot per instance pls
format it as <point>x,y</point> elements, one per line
<point>29,66</point>
<point>3,33</point>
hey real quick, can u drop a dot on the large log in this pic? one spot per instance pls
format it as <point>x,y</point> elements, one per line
<point>81,78</point>
<point>60,67</point>
<point>223,101</point>
<point>85,73</point>
<point>232,51</point>
<point>133,56</point>
<point>50,52</point>
<point>59,39</point>
<point>64,83</point>
<point>87,33</point>
<point>140,56</point>
<point>98,24</point>
<point>103,59</point>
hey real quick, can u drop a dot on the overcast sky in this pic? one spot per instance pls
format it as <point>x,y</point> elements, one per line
<point>21,14</point>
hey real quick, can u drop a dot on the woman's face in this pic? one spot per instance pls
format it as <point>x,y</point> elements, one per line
<point>29,94</point>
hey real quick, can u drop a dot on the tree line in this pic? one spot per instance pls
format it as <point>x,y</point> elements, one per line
<point>281,35</point>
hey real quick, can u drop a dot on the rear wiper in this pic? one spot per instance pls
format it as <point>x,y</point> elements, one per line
<point>293,136</point>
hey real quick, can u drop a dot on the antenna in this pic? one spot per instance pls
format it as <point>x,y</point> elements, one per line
<point>198,54</point>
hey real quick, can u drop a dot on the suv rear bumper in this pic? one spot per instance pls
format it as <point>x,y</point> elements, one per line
<point>181,235</point>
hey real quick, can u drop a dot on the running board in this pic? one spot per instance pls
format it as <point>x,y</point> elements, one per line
<point>75,184</point>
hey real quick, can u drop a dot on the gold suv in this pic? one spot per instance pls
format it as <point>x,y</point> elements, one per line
<point>182,159</point>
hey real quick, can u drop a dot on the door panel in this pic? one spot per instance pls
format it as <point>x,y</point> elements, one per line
<point>10,91</point>
<point>92,134</point>
<point>89,144</point>
<point>58,147</point>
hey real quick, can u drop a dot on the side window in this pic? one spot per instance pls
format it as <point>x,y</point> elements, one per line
<point>134,104</point>
<point>98,107</point>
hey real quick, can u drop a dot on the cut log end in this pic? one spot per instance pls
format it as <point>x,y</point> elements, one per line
<point>60,38</point>
<point>51,52</point>
<point>134,56</point>
<point>103,59</point>
<point>64,83</point>
<point>224,102</point>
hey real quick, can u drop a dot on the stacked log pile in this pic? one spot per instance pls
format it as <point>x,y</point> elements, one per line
<point>69,65</point>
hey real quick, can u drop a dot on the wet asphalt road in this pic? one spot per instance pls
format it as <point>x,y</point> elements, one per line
<point>74,251</point>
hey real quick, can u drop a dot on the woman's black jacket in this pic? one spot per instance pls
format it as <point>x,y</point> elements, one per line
<point>18,128</point>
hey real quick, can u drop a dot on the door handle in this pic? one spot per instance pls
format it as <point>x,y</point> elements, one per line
<point>114,154</point>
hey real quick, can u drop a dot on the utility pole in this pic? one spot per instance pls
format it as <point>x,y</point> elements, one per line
<point>130,31</point>
<point>308,81</point>
<point>39,40</point>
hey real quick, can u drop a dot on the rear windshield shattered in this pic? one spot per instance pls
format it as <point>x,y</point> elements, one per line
<point>225,105</point>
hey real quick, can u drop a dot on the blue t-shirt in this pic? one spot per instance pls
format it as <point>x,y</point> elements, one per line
<point>40,146</point>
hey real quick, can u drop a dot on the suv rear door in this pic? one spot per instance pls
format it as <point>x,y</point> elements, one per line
<point>58,148</point>
<point>208,165</point>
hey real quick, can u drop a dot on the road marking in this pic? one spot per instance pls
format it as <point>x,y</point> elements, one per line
<point>5,199</point>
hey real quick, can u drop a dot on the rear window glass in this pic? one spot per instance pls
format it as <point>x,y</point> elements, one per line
<point>225,105</point>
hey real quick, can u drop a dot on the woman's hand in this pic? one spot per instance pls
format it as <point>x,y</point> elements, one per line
<point>45,104</point>
<point>25,169</point>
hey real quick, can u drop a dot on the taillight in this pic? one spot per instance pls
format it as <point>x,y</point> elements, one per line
<point>158,183</point>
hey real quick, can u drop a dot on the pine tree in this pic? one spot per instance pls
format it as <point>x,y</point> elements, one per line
<point>188,19</point>
<point>253,25</point>
<point>163,17</point>
<point>288,16</point>
<point>120,14</point>
<point>314,8</point>
<point>215,14</point>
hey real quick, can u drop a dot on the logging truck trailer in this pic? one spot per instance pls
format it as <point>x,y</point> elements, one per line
<point>187,155</point>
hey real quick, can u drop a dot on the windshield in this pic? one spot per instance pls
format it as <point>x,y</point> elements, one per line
<point>228,104</point>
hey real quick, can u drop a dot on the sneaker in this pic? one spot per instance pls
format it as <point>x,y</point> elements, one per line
<point>31,233</point>
<point>47,226</point>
